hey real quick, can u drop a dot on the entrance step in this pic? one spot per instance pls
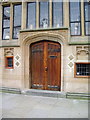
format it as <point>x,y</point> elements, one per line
<point>45,93</point>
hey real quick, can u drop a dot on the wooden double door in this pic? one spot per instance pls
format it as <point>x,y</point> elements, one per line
<point>45,65</point>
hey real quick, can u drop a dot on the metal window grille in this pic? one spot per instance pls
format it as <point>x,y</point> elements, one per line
<point>82,69</point>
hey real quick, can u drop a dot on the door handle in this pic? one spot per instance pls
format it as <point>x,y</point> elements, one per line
<point>46,68</point>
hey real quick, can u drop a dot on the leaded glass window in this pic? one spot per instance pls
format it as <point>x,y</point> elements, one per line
<point>6,23</point>
<point>17,20</point>
<point>31,15</point>
<point>75,18</point>
<point>87,17</point>
<point>44,14</point>
<point>57,13</point>
<point>82,69</point>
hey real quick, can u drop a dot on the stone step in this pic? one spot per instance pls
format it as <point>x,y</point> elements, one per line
<point>10,90</point>
<point>78,95</point>
<point>45,93</point>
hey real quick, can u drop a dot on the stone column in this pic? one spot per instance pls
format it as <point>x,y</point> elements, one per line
<point>37,14</point>
<point>11,21</point>
<point>66,13</point>
<point>82,18</point>
<point>50,13</point>
<point>0,22</point>
<point>24,15</point>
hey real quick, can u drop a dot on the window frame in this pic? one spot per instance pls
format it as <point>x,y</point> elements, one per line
<point>53,15</point>
<point>27,14</point>
<point>75,70</point>
<point>3,28</point>
<point>13,20</point>
<point>6,62</point>
<point>48,15</point>
<point>75,21</point>
<point>85,21</point>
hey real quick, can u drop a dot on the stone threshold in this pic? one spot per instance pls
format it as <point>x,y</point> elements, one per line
<point>46,93</point>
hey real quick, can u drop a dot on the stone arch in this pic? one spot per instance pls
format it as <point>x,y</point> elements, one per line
<point>40,36</point>
<point>27,41</point>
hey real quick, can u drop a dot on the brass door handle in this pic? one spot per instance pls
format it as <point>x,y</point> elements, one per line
<point>46,68</point>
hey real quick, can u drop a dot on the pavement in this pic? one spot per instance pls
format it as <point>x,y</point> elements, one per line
<point>28,106</point>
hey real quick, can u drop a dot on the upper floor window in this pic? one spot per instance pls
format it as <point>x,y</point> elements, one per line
<point>31,15</point>
<point>87,17</point>
<point>16,20</point>
<point>44,14</point>
<point>6,23</point>
<point>75,18</point>
<point>57,14</point>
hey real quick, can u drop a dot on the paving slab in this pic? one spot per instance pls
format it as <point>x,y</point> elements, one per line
<point>28,106</point>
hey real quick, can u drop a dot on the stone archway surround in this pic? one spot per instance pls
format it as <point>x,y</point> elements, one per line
<point>27,41</point>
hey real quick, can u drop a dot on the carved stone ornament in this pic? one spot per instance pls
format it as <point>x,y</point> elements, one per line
<point>82,52</point>
<point>70,64</point>
<point>8,51</point>
<point>71,57</point>
<point>80,49</point>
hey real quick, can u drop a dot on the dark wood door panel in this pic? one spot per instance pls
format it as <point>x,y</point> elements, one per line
<point>53,66</point>
<point>37,66</point>
<point>46,65</point>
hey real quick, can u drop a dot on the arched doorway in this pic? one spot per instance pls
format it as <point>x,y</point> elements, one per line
<point>45,65</point>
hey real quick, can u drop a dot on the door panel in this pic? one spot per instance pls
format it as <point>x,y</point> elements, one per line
<point>53,66</point>
<point>45,65</point>
<point>37,66</point>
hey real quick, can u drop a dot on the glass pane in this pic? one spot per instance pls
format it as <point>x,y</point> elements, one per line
<point>31,16</point>
<point>87,25</point>
<point>87,11</point>
<point>83,69</point>
<point>16,32</point>
<point>44,13</point>
<point>6,33</point>
<point>57,14</point>
<point>6,14</point>
<point>75,28</point>
<point>6,23</point>
<point>17,15</point>
<point>74,11</point>
<point>10,62</point>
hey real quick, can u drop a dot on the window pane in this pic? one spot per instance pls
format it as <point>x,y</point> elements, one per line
<point>31,16</point>
<point>75,28</point>
<point>74,11</point>
<point>6,12</point>
<point>87,11</point>
<point>16,32</point>
<point>87,24</point>
<point>75,18</point>
<point>6,33</point>
<point>83,69</point>
<point>44,15</point>
<point>17,15</point>
<point>10,62</point>
<point>17,20</point>
<point>6,22</point>
<point>57,14</point>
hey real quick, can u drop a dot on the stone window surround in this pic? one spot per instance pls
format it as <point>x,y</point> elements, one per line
<point>24,9</point>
